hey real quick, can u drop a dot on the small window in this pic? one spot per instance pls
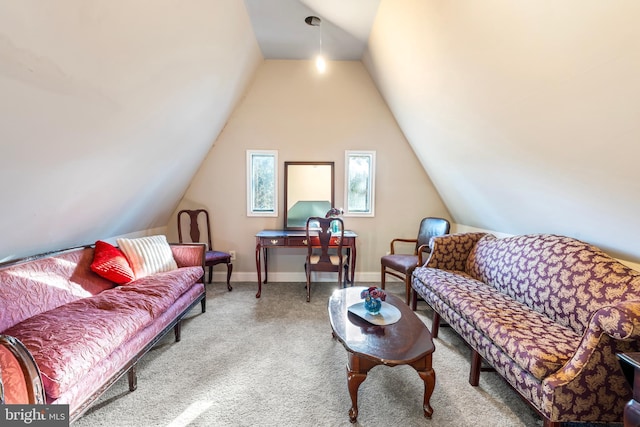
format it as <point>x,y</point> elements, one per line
<point>262,183</point>
<point>359,182</point>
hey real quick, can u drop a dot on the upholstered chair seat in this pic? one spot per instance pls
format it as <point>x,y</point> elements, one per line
<point>402,265</point>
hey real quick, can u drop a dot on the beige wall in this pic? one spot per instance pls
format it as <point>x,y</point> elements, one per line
<point>306,117</point>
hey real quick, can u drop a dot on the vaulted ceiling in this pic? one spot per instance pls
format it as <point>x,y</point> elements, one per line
<point>523,114</point>
<point>343,31</point>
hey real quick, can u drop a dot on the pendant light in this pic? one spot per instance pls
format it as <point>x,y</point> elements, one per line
<point>314,21</point>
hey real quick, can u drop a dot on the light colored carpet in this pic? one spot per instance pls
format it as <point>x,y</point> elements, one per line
<point>272,362</point>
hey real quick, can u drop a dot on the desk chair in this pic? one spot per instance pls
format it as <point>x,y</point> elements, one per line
<point>402,265</point>
<point>211,257</point>
<point>324,261</point>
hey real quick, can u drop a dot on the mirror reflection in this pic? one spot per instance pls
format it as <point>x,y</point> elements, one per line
<point>308,191</point>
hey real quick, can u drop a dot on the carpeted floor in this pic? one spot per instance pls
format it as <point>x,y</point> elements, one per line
<point>272,362</point>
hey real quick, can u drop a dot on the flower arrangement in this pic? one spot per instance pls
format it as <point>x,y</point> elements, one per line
<point>373,298</point>
<point>334,212</point>
<point>372,293</point>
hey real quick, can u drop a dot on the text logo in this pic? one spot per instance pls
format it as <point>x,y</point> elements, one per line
<point>34,415</point>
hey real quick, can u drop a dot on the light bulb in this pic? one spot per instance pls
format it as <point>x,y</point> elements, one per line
<point>321,65</point>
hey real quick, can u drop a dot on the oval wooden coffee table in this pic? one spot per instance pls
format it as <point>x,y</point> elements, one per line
<point>406,342</point>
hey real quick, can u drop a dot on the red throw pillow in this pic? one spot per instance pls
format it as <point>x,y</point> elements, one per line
<point>110,263</point>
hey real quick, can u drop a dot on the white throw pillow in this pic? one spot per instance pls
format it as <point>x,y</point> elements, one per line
<point>148,255</point>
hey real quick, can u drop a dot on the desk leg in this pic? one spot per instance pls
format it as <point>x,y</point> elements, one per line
<point>347,279</point>
<point>266,263</point>
<point>258,270</point>
<point>353,261</point>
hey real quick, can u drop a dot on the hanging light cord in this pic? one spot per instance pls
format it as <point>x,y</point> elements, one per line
<point>320,28</point>
<point>314,21</point>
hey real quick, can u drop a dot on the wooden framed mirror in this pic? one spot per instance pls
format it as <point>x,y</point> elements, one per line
<point>309,190</point>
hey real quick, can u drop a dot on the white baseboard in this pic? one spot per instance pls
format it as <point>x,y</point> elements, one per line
<point>275,276</point>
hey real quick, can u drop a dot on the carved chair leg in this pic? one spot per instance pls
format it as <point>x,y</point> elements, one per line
<point>210,273</point>
<point>407,285</point>
<point>414,300</point>
<point>308,271</point>
<point>346,275</point>
<point>382,277</point>
<point>548,423</point>
<point>229,270</point>
<point>203,304</point>
<point>345,278</point>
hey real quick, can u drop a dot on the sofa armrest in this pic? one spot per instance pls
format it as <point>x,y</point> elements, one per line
<point>20,380</point>
<point>620,321</point>
<point>450,252</point>
<point>612,329</point>
<point>188,254</point>
<point>593,377</point>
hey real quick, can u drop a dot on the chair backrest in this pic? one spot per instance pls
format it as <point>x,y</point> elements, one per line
<point>194,228</point>
<point>430,227</point>
<point>324,239</point>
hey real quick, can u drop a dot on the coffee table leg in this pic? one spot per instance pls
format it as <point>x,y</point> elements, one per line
<point>354,379</point>
<point>428,376</point>
<point>357,370</point>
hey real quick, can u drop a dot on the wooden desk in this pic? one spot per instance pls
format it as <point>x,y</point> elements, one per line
<point>267,239</point>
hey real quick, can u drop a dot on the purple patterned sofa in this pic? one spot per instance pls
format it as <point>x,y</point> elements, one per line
<point>548,312</point>
<point>82,330</point>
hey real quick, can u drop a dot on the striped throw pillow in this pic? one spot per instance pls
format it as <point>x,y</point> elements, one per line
<point>148,255</point>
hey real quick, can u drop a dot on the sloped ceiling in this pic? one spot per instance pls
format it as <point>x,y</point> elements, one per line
<point>282,33</point>
<point>524,114</point>
<point>107,110</point>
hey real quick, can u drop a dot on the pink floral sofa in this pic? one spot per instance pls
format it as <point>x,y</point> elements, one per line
<point>548,312</point>
<point>83,331</point>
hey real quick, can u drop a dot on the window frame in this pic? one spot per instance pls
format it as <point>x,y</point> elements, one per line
<point>371,182</point>
<point>251,193</point>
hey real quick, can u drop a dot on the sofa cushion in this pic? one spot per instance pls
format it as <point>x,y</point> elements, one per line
<point>534,342</point>
<point>68,341</point>
<point>156,293</point>
<point>111,263</point>
<point>148,255</point>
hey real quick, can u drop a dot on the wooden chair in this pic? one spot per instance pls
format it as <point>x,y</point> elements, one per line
<point>212,257</point>
<point>402,265</point>
<point>20,381</point>
<point>324,260</point>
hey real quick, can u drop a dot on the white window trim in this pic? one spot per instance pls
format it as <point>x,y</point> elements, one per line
<point>250,154</point>
<point>372,182</point>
